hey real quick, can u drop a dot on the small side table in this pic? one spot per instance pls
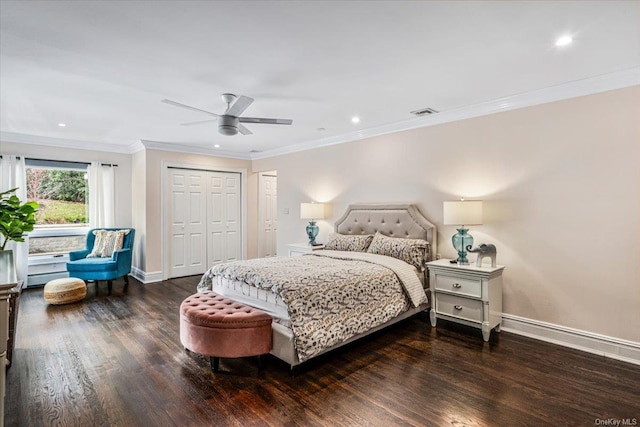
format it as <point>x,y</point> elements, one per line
<point>298,249</point>
<point>466,294</point>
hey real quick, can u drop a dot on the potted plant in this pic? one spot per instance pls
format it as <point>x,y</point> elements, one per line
<point>16,218</point>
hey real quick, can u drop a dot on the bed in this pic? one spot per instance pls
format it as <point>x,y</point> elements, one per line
<point>329,298</point>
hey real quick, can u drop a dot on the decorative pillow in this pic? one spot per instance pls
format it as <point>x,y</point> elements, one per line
<point>107,242</point>
<point>98,244</point>
<point>411,251</point>
<point>348,242</point>
<point>113,242</point>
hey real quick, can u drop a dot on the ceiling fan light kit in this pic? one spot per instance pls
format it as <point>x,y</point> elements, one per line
<point>230,123</point>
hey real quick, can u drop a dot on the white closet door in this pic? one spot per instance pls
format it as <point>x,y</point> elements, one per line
<point>188,222</point>
<point>206,220</point>
<point>223,217</point>
<point>268,215</point>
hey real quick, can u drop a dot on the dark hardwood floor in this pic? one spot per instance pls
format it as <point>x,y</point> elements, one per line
<point>117,360</point>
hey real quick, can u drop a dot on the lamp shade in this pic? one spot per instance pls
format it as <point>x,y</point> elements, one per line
<point>311,210</point>
<point>462,212</point>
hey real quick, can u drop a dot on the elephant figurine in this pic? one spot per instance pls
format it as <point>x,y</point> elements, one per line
<point>484,250</point>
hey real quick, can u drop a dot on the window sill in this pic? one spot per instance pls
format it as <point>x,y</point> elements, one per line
<point>60,231</point>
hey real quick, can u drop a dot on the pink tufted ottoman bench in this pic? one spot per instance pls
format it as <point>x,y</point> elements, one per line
<point>215,326</point>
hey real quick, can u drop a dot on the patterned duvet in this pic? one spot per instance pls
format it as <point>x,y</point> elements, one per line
<point>330,295</point>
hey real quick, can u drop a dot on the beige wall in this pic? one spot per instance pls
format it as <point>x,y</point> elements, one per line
<point>252,214</point>
<point>561,184</point>
<point>122,172</point>
<point>138,192</point>
<point>139,208</point>
<point>152,234</point>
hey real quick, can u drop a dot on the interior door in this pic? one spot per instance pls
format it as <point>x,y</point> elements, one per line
<point>188,222</point>
<point>268,215</point>
<point>223,217</point>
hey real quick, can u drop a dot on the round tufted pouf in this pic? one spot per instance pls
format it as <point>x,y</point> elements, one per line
<point>65,290</point>
<point>215,326</point>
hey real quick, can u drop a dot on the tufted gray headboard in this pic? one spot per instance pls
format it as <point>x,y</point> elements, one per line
<point>395,220</point>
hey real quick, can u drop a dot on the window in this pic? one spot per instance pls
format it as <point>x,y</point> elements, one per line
<point>61,189</point>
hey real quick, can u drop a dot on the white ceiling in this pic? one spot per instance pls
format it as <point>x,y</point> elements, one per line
<point>103,67</point>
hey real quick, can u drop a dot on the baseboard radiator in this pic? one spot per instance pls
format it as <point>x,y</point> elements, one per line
<point>43,268</point>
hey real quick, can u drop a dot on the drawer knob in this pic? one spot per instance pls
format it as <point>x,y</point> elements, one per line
<point>457,285</point>
<point>457,307</point>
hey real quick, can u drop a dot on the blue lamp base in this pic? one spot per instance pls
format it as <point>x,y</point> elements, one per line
<point>312,232</point>
<point>460,242</point>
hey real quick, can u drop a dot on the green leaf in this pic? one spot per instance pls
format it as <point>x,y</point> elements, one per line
<point>15,218</point>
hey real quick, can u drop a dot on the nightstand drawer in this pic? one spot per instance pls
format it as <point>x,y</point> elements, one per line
<point>463,308</point>
<point>460,286</point>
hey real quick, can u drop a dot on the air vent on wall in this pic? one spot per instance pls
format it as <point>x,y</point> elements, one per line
<point>424,111</point>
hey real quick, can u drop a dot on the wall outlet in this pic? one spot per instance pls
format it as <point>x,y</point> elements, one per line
<point>438,256</point>
<point>285,211</point>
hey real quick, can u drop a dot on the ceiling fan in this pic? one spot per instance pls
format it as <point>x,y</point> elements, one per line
<point>230,122</point>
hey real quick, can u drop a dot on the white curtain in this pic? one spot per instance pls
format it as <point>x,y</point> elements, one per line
<point>102,211</point>
<point>12,175</point>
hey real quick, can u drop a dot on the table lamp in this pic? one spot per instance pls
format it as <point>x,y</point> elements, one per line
<point>461,213</point>
<point>312,211</point>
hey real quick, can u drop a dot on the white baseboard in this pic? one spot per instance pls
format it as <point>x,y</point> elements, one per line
<point>614,348</point>
<point>145,277</point>
<point>606,346</point>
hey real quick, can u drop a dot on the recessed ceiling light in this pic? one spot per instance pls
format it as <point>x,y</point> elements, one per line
<point>564,41</point>
<point>355,119</point>
<point>321,129</point>
<point>62,125</point>
<point>216,146</point>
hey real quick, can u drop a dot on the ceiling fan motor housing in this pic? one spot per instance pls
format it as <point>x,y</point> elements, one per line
<point>228,125</point>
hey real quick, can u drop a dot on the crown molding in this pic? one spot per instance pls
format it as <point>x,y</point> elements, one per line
<point>21,138</point>
<point>190,149</point>
<point>132,148</point>
<point>135,147</point>
<point>588,86</point>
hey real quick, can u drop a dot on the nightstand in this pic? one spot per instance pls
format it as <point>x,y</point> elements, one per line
<point>297,249</point>
<point>466,294</point>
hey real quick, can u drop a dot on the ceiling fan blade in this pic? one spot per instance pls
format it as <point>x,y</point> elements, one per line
<point>239,106</point>
<point>265,121</point>
<point>199,122</point>
<point>177,104</point>
<point>243,129</point>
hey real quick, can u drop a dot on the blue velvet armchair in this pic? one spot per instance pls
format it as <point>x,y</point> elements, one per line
<point>118,265</point>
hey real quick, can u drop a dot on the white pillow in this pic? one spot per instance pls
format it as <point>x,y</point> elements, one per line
<point>98,244</point>
<point>113,242</point>
<point>107,242</point>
